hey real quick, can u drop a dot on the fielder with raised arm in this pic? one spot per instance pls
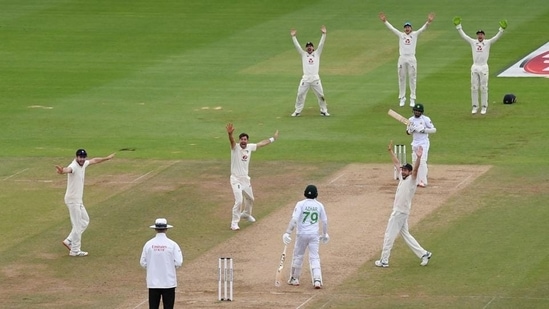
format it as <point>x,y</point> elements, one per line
<point>310,59</point>
<point>241,155</point>
<point>306,218</point>
<point>398,222</point>
<point>407,63</point>
<point>479,70</point>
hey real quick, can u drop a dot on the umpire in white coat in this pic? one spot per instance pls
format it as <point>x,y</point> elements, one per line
<point>160,257</point>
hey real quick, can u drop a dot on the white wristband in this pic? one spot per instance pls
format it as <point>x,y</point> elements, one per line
<point>272,139</point>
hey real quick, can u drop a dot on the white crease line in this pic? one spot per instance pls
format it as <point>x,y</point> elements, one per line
<point>463,181</point>
<point>308,300</point>
<point>21,171</point>
<point>141,304</point>
<point>137,179</point>
<point>488,304</point>
<point>331,182</point>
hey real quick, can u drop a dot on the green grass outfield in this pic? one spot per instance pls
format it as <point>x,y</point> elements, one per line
<point>162,78</point>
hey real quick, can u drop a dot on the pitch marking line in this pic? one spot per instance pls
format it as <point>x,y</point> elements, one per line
<point>21,171</point>
<point>335,179</point>
<point>305,302</point>
<point>143,302</point>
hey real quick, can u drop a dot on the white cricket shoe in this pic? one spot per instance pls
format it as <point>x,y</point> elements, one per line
<point>425,258</point>
<point>293,281</point>
<point>402,101</point>
<point>325,114</point>
<point>295,114</point>
<point>317,284</point>
<point>235,227</point>
<point>475,109</point>
<point>379,263</point>
<point>483,110</point>
<point>67,243</point>
<point>79,253</point>
<point>412,102</point>
<point>248,217</point>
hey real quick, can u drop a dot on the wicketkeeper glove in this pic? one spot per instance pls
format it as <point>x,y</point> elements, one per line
<point>503,23</point>
<point>286,239</point>
<point>457,20</point>
<point>324,239</point>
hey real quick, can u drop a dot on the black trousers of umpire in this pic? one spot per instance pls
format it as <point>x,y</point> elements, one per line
<point>167,295</point>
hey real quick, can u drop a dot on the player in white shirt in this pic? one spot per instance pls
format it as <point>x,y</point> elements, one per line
<point>407,63</point>
<point>76,173</point>
<point>479,70</point>
<point>310,59</point>
<point>398,221</point>
<point>420,127</point>
<point>241,155</point>
<point>161,256</point>
<point>306,218</point>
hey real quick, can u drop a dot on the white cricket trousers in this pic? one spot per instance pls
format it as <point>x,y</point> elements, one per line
<point>304,241</point>
<point>407,67</point>
<point>243,198</point>
<point>479,80</point>
<point>79,220</point>
<point>423,169</point>
<point>316,86</point>
<point>398,223</point>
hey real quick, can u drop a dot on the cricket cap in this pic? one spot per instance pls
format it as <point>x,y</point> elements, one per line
<point>309,44</point>
<point>407,166</point>
<point>480,31</point>
<point>407,24</point>
<point>81,153</point>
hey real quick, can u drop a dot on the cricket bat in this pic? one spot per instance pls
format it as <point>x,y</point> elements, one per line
<point>398,117</point>
<point>278,277</point>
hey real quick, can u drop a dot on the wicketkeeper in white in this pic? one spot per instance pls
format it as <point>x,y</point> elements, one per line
<point>307,216</point>
<point>420,127</point>
<point>398,221</point>
<point>479,70</point>
<point>310,59</point>
<point>241,154</point>
<point>407,63</point>
<point>76,172</point>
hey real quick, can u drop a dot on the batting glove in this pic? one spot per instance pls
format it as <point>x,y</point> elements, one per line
<point>457,20</point>
<point>419,128</point>
<point>410,129</point>
<point>503,23</point>
<point>286,239</point>
<point>324,239</point>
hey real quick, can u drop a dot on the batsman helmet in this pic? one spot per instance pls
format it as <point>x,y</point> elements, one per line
<point>311,191</point>
<point>81,153</point>
<point>418,107</point>
<point>509,98</point>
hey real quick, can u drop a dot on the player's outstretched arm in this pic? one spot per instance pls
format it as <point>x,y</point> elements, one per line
<point>394,158</point>
<point>268,141</point>
<point>419,153</point>
<point>99,159</point>
<point>430,17</point>
<point>382,16</point>
<point>230,131</point>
